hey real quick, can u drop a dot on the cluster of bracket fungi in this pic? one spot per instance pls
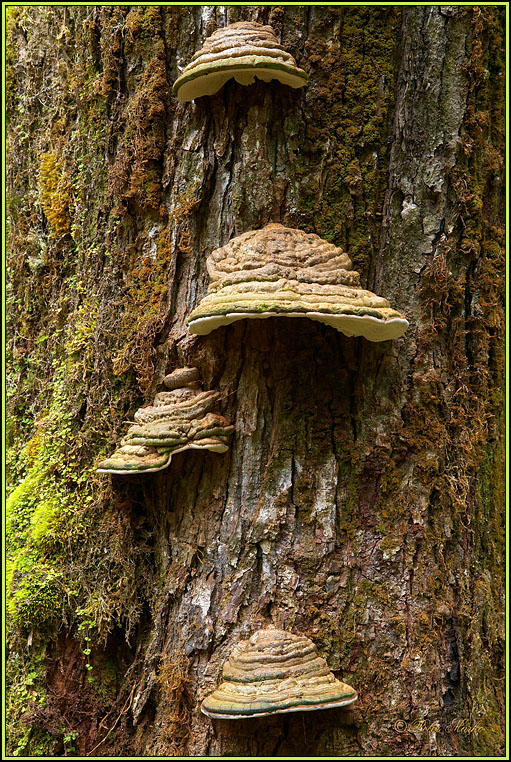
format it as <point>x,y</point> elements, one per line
<point>178,420</point>
<point>273,272</point>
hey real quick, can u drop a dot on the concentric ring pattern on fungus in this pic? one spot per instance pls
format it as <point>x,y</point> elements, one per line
<point>275,672</point>
<point>282,272</point>
<point>178,420</point>
<point>242,51</point>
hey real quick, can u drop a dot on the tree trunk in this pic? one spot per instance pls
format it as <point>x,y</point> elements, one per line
<point>361,500</point>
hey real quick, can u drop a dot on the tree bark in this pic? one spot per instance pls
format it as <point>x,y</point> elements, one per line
<point>361,499</point>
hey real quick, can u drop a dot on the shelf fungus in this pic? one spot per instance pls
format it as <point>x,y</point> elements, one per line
<point>280,271</point>
<point>244,50</point>
<point>180,419</point>
<point>275,672</point>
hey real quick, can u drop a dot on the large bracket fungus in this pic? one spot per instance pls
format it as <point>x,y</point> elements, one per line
<point>180,419</point>
<point>280,271</point>
<point>275,672</point>
<point>244,50</point>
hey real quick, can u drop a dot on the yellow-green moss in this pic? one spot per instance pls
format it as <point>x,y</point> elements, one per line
<point>55,193</point>
<point>64,404</point>
<point>42,522</point>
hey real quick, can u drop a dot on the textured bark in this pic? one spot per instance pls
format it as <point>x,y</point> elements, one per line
<point>360,502</point>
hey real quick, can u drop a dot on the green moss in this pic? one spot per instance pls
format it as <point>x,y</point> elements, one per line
<point>65,408</point>
<point>36,595</point>
<point>142,22</point>
<point>348,525</point>
<point>13,15</point>
<point>136,175</point>
<point>25,677</point>
<point>42,524</point>
<point>146,302</point>
<point>107,676</point>
<point>462,298</point>
<point>337,636</point>
<point>351,94</point>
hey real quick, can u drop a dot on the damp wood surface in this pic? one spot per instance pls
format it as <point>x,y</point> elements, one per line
<point>361,501</point>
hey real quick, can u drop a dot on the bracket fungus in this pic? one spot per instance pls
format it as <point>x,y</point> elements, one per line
<point>280,271</point>
<point>180,419</point>
<point>243,50</point>
<point>275,672</point>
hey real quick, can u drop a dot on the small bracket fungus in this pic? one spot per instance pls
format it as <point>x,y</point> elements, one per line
<point>280,271</point>
<point>177,420</point>
<point>275,672</point>
<point>182,377</point>
<point>244,50</point>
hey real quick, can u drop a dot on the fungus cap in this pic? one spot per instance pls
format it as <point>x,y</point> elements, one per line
<point>181,377</point>
<point>178,420</point>
<point>282,272</point>
<point>243,50</point>
<point>275,672</point>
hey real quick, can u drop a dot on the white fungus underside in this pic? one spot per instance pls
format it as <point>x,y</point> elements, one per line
<point>304,708</point>
<point>123,471</point>
<point>370,327</point>
<point>211,83</point>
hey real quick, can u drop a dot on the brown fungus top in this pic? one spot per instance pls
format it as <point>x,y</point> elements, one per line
<point>243,50</point>
<point>182,377</point>
<point>181,419</point>
<point>280,271</point>
<point>275,672</point>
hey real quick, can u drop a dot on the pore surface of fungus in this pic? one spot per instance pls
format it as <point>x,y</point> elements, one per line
<point>275,672</point>
<point>243,50</point>
<point>180,419</point>
<point>280,271</point>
